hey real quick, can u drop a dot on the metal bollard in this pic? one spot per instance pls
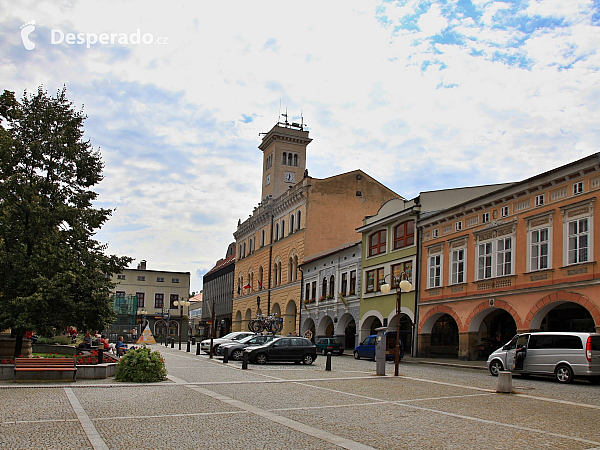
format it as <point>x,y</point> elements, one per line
<point>188,346</point>
<point>504,382</point>
<point>197,348</point>
<point>100,355</point>
<point>172,342</point>
<point>193,340</point>
<point>245,361</point>
<point>328,363</point>
<point>225,356</point>
<point>179,342</point>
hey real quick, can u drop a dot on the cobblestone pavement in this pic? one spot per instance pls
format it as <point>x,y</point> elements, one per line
<point>206,404</point>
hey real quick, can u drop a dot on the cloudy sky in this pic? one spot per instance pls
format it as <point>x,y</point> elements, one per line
<point>421,95</point>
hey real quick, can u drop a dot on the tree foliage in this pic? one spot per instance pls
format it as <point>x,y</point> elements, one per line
<point>53,273</point>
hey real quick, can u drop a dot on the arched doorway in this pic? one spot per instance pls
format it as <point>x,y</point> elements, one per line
<point>444,337</point>
<point>173,328</point>
<point>406,327</point>
<point>494,328</point>
<point>568,317</point>
<point>289,321</point>
<point>160,329</point>
<point>237,323</point>
<point>309,325</point>
<point>325,327</point>
<point>347,326</point>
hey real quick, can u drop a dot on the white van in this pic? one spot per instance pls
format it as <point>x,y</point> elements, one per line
<point>565,355</point>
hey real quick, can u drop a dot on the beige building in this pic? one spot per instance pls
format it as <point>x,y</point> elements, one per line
<point>299,216</point>
<point>156,293</point>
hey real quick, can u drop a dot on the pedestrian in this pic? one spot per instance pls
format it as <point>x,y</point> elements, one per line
<point>308,335</point>
<point>121,347</point>
<point>104,342</point>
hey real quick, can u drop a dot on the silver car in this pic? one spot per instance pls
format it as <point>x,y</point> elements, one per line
<point>231,337</point>
<point>565,355</point>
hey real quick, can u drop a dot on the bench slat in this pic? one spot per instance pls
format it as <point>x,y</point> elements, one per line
<point>45,365</point>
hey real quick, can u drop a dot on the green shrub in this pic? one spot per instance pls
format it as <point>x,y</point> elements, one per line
<point>63,340</point>
<point>141,366</point>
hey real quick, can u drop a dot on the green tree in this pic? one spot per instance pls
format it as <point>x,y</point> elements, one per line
<point>53,273</point>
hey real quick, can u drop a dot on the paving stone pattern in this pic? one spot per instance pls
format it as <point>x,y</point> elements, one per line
<point>206,404</point>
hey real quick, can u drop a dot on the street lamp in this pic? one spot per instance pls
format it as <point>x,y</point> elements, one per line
<point>142,312</point>
<point>181,303</point>
<point>402,285</point>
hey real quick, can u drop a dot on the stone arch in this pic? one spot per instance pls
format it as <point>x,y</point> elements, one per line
<point>237,322</point>
<point>276,310</point>
<point>326,323</point>
<point>347,322</point>
<point>289,319</point>
<point>479,313</point>
<point>308,324</point>
<point>366,320</point>
<point>434,314</point>
<point>536,314</point>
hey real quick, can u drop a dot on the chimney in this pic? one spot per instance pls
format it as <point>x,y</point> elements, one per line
<point>142,265</point>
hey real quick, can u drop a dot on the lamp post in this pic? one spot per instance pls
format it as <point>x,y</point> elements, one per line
<point>142,312</point>
<point>402,285</point>
<point>183,302</point>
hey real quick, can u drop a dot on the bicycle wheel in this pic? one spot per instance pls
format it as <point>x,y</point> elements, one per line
<point>254,326</point>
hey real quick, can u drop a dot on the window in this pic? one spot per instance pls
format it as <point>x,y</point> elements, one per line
<point>298,220</point>
<point>160,279</point>
<point>495,258</point>
<point>314,290</point>
<point>485,217</point>
<point>296,160</point>
<point>282,229</point>
<point>435,233</point>
<point>578,188</point>
<point>374,279</point>
<point>174,280</point>
<point>344,283</point>
<point>352,290</point>
<point>172,299</point>
<point>397,269</point>
<point>504,211</point>
<point>120,277</point>
<point>291,223</point>
<point>539,249</point>
<point>539,200</point>
<point>377,242</point>
<point>284,158</point>
<point>332,286</point>
<point>504,261</point>
<point>120,294</point>
<point>276,231</point>
<point>404,234</point>
<point>140,299</point>
<point>262,238</point>
<point>324,288</point>
<point>458,266</point>
<point>578,233</point>
<point>289,159</point>
<point>435,271</point>
<point>159,300</point>
<point>458,226</point>
<point>141,278</point>
<point>307,291</point>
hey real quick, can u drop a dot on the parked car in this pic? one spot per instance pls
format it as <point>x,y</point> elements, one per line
<point>235,350</point>
<point>366,349</point>
<point>333,345</point>
<point>231,337</point>
<point>283,349</point>
<point>565,355</point>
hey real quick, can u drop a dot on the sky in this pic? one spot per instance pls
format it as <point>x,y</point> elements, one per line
<point>421,95</point>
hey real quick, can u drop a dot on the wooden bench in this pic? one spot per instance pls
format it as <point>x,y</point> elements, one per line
<point>45,365</point>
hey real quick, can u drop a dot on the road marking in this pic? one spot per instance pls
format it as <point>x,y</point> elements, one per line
<point>88,426</point>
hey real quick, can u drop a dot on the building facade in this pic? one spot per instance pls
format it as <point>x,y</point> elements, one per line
<point>217,292</point>
<point>331,298</point>
<point>522,258</point>
<point>157,293</point>
<point>299,215</point>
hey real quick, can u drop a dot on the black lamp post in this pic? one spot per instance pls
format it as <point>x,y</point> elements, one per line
<point>402,285</point>
<point>183,302</point>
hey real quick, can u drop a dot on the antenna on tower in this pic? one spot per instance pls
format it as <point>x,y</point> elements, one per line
<point>286,117</point>
<point>302,119</point>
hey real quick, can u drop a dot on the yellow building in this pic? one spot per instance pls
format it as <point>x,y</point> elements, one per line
<point>299,217</point>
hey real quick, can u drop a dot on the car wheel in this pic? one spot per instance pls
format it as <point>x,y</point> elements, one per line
<point>237,355</point>
<point>495,367</point>
<point>564,374</point>
<point>307,360</point>
<point>261,358</point>
<point>356,354</point>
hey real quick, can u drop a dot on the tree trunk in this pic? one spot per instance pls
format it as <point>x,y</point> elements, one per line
<point>18,345</point>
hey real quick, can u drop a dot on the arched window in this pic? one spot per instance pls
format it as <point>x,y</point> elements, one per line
<point>244,249</point>
<point>324,288</point>
<point>279,272</point>
<point>284,158</point>
<point>377,243</point>
<point>296,160</point>
<point>332,286</point>
<point>276,231</point>
<point>291,223</point>
<point>298,220</point>
<point>290,270</point>
<point>289,159</point>
<point>295,267</point>
<point>282,229</point>
<point>260,278</point>
<point>275,275</point>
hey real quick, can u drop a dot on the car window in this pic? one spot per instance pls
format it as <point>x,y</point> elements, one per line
<point>512,344</point>
<point>595,342</point>
<point>335,341</point>
<point>541,341</point>
<point>372,340</point>
<point>283,342</point>
<point>247,339</point>
<point>366,341</point>
<point>228,336</point>
<point>568,342</point>
<point>522,340</point>
<point>299,342</point>
<point>322,341</point>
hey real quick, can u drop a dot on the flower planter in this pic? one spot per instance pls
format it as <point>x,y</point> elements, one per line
<point>89,372</point>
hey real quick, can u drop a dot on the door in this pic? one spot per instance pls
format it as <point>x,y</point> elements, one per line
<point>510,353</point>
<point>279,350</point>
<point>515,357</point>
<point>369,347</point>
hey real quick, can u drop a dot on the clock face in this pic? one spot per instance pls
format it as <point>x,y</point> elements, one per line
<point>268,180</point>
<point>290,177</point>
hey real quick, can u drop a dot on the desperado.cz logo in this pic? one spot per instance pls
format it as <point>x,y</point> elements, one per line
<point>58,36</point>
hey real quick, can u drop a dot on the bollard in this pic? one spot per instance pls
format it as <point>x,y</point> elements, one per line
<point>172,342</point>
<point>179,342</point>
<point>504,382</point>
<point>188,346</point>
<point>328,363</point>
<point>100,355</point>
<point>225,356</point>
<point>193,340</point>
<point>197,348</point>
<point>245,361</point>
